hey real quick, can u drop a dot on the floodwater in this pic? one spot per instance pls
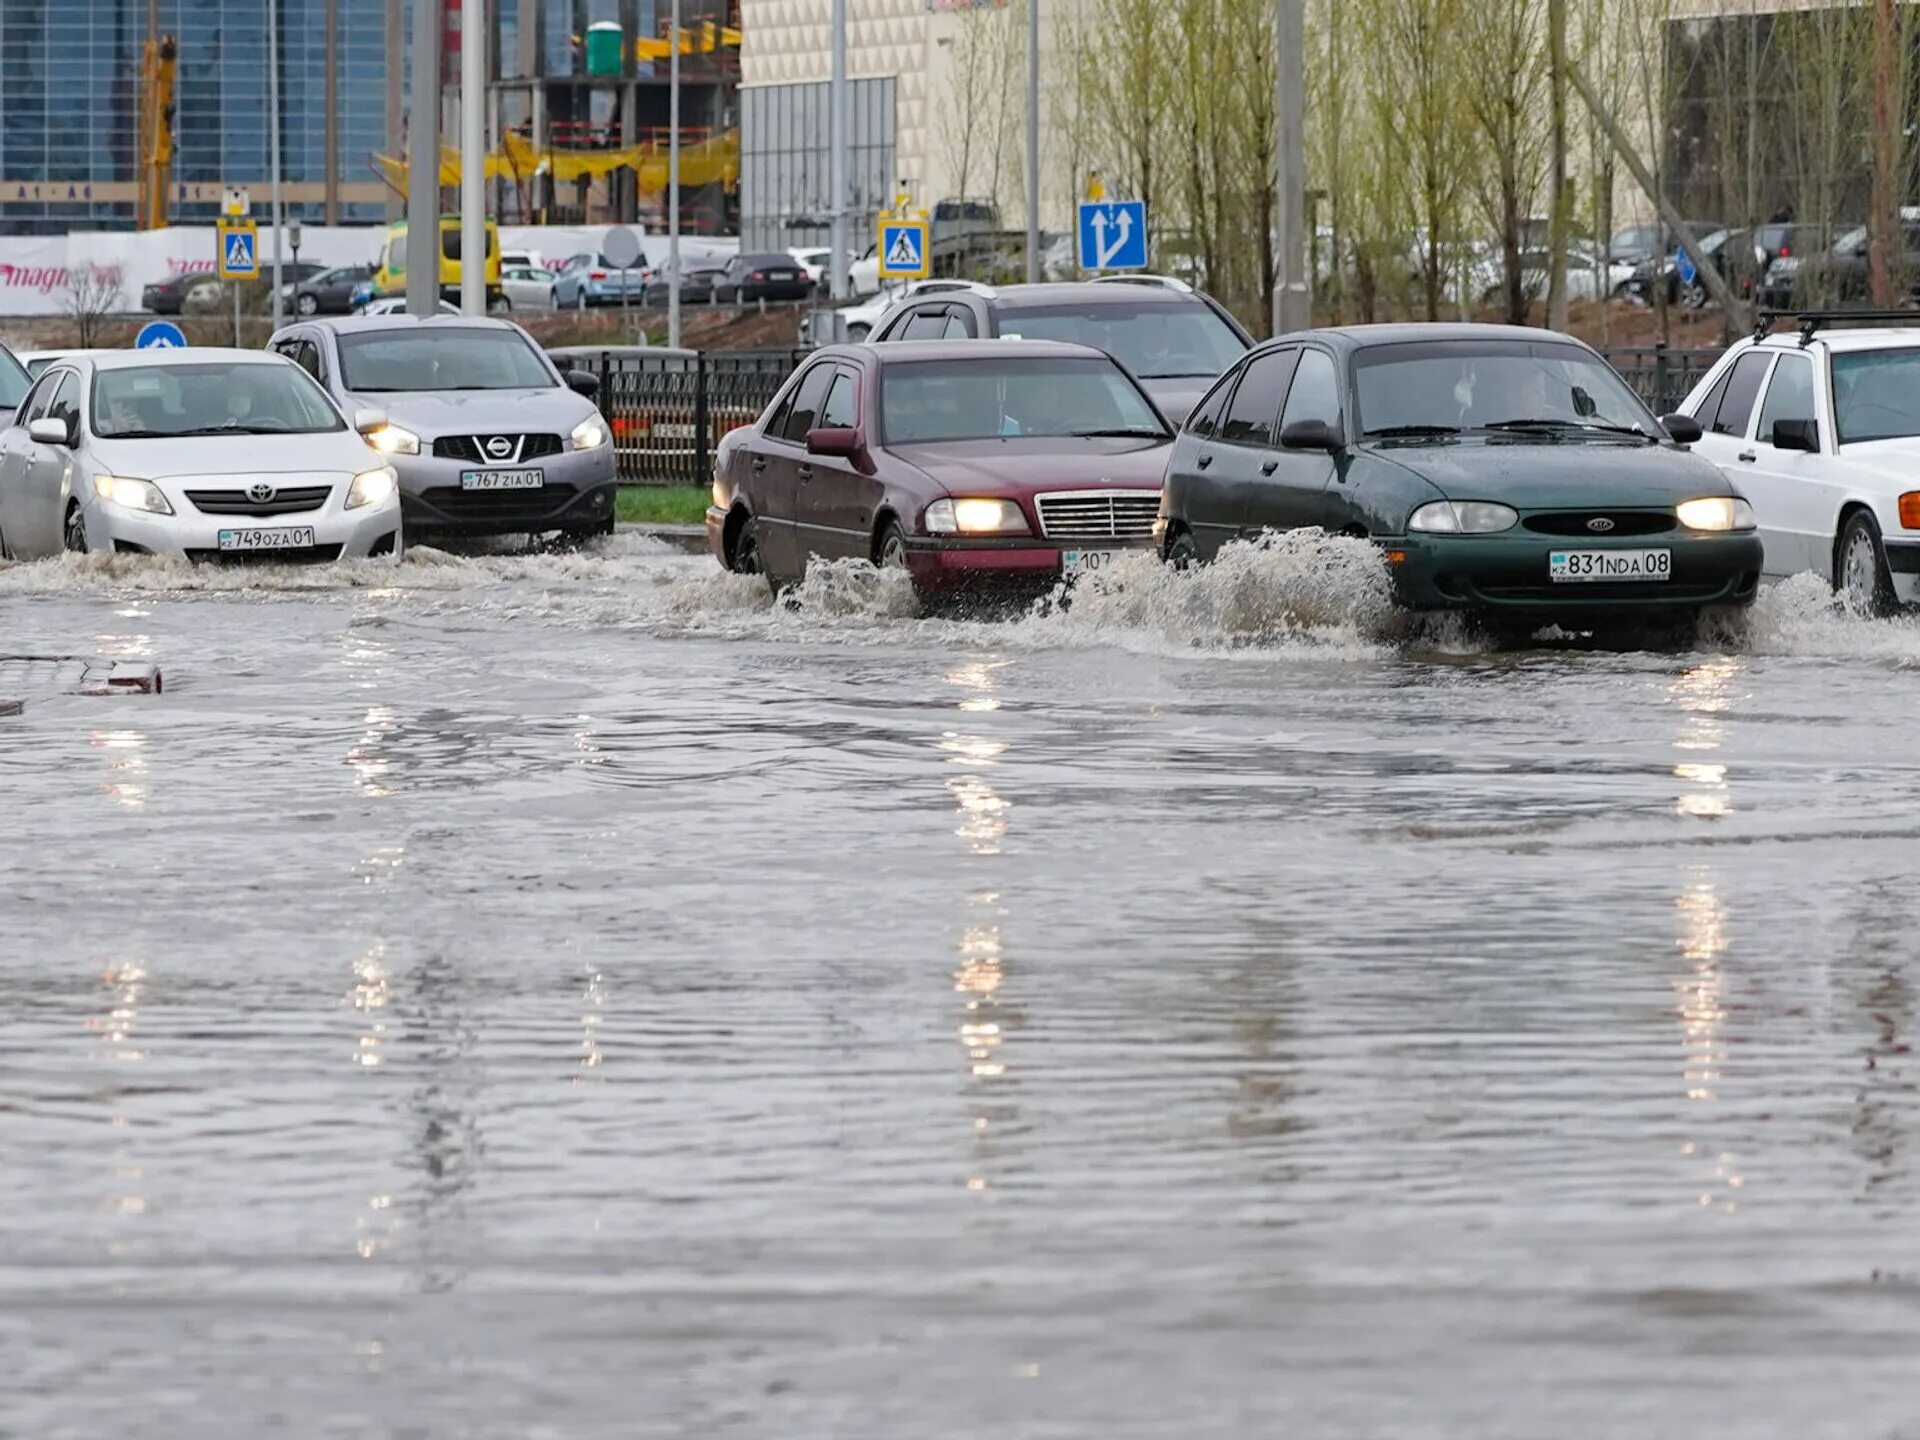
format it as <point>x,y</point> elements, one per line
<point>569,997</point>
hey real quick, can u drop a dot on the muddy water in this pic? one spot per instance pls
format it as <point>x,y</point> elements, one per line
<point>570,997</point>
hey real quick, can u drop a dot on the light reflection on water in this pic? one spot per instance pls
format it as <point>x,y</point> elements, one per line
<point>589,1001</point>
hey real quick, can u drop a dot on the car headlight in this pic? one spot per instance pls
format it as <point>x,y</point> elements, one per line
<point>371,487</point>
<point>976,517</point>
<point>133,494</point>
<point>1716,512</point>
<point>589,435</point>
<point>1462,517</point>
<point>392,440</point>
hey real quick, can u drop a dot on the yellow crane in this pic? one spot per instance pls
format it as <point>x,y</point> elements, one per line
<point>156,131</point>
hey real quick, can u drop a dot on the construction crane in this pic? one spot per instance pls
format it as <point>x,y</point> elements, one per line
<point>156,131</point>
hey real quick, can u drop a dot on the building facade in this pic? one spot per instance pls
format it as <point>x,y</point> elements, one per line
<point>70,100</point>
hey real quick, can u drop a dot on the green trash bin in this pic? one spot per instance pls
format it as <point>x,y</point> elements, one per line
<point>603,48</point>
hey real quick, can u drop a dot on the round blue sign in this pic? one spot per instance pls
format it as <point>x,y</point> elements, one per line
<point>160,335</point>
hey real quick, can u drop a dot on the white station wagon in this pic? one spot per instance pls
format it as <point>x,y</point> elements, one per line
<point>1820,430</point>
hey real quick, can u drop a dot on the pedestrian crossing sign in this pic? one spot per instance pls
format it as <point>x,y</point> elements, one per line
<point>239,250</point>
<point>903,249</point>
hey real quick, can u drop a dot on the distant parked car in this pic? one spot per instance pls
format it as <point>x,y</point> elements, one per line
<point>169,296</point>
<point>762,276</point>
<point>328,293</point>
<point>696,287</point>
<point>587,280</point>
<point>526,287</point>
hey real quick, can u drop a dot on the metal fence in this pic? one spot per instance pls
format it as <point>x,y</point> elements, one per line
<point>1660,375</point>
<point>669,409</point>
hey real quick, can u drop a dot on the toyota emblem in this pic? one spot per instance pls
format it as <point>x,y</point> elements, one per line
<point>260,492</point>
<point>1600,524</point>
<point>499,447</point>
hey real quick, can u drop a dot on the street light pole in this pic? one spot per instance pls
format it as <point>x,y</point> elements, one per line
<point>837,146</point>
<point>473,160</point>
<point>673,180</point>
<point>273,145</point>
<point>422,254</point>
<point>1033,142</point>
<point>1292,291</point>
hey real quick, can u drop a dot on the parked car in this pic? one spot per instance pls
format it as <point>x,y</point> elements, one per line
<point>975,466</point>
<point>488,437</point>
<point>1590,275</point>
<point>1503,471</point>
<point>696,286</point>
<point>1796,248</point>
<point>1821,432</point>
<point>38,360</point>
<point>526,287</point>
<point>587,280</point>
<point>1842,270</point>
<point>762,275</point>
<point>329,292</point>
<point>210,454</point>
<point>816,260</point>
<point>169,296</point>
<point>1731,252</point>
<point>204,290</point>
<point>397,305</point>
<point>14,383</point>
<point>1651,240</point>
<point>1175,339</point>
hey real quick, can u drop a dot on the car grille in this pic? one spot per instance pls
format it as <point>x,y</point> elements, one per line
<point>1098,514</point>
<point>499,506</point>
<point>1624,522</point>
<point>289,501</point>
<point>467,447</point>
<point>308,554</point>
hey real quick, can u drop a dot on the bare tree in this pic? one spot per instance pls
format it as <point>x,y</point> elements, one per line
<point>1422,44</point>
<point>92,294</point>
<point>1505,87</point>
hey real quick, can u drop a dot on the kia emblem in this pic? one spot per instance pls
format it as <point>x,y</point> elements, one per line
<point>260,492</point>
<point>1600,524</point>
<point>499,447</point>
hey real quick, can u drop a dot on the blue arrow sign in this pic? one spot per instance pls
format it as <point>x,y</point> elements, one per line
<point>1113,235</point>
<point>1684,266</point>
<point>160,335</point>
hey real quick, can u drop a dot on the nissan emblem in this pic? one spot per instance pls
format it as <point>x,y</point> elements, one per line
<point>499,447</point>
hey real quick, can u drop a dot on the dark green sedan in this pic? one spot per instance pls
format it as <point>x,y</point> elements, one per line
<point>1502,470</point>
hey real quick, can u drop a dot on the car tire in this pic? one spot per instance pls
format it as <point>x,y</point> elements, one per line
<point>890,550</point>
<point>746,557</point>
<point>1180,550</point>
<point>73,534</point>
<point>306,306</point>
<point>1860,575</point>
<point>502,306</point>
<point>1694,296</point>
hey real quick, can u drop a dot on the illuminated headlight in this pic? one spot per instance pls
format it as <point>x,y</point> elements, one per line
<point>1462,517</point>
<point>371,487</point>
<point>133,494</point>
<point>392,440</point>
<point>976,517</point>
<point>1717,512</point>
<point>589,435</point>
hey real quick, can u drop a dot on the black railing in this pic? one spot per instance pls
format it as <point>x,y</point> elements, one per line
<point>1662,376</point>
<point>669,410</point>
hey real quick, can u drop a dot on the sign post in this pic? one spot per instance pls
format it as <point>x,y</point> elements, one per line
<point>238,259</point>
<point>621,247</point>
<point>1113,235</point>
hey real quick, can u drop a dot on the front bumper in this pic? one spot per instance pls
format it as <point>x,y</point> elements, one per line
<point>370,530</point>
<point>578,495</point>
<point>1508,574</point>
<point>942,564</point>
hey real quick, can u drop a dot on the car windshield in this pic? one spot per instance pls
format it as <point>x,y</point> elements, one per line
<point>449,359</point>
<point>1475,384</point>
<point>1002,397</point>
<point>209,397</point>
<point>14,381</point>
<point>1156,342</point>
<point>1876,394</point>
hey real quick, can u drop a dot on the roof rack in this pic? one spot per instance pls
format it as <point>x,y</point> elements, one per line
<point>1163,282</point>
<point>1811,322</point>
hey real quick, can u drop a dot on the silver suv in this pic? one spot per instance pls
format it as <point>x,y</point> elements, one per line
<point>487,436</point>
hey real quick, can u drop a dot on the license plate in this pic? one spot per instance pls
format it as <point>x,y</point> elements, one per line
<point>1087,562</point>
<point>299,538</point>
<point>1606,565</point>
<point>502,479</point>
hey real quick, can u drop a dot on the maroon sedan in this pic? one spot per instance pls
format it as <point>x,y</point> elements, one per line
<point>975,465</point>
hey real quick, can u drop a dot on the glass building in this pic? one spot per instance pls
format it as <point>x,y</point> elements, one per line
<point>70,97</point>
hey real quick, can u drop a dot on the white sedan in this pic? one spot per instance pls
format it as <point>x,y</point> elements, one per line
<point>210,454</point>
<point>526,287</point>
<point>1821,432</point>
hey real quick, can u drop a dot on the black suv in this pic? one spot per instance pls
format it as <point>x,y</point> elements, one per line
<point>1174,339</point>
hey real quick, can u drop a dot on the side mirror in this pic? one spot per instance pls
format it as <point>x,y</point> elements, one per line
<point>583,382</point>
<point>1797,435</point>
<point>1311,435</point>
<point>837,441</point>
<point>49,432</point>
<point>1682,429</point>
<point>367,420</point>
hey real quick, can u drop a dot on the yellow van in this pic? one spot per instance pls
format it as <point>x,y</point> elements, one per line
<point>390,276</point>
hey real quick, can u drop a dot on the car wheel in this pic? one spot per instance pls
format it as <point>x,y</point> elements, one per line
<point>891,552</point>
<point>1694,296</point>
<point>747,559</point>
<point>1180,550</point>
<point>1860,575</point>
<point>74,533</point>
<point>307,305</point>
<point>502,306</point>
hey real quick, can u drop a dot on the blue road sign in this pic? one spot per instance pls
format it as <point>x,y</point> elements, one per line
<point>160,335</point>
<point>903,249</point>
<point>1113,235</point>
<point>239,250</point>
<point>1683,266</point>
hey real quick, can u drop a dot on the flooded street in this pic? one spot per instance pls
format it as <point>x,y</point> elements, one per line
<point>566,996</point>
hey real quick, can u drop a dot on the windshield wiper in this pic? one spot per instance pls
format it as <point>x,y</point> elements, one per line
<point>1392,430</point>
<point>230,428</point>
<point>1562,427</point>
<point>1124,432</point>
